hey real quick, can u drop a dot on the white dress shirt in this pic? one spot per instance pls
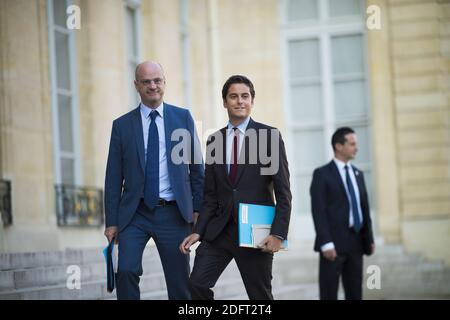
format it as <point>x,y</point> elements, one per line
<point>230,135</point>
<point>165,190</point>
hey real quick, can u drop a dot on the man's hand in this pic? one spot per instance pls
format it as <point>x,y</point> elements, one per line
<point>372,248</point>
<point>330,254</point>
<point>110,233</point>
<point>270,244</point>
<point>188,242</point>
<point>196,214</point>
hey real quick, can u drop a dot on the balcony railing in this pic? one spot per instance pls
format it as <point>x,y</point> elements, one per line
<point>79,206</point>
<point>5,202</point>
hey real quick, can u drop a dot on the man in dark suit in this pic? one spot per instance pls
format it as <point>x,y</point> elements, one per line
<point>148,194</point>
<point>228,182</point>
<point>341,214</point>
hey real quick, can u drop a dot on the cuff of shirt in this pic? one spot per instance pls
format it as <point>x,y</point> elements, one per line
<point>327,246</point>
<point>276,236</point>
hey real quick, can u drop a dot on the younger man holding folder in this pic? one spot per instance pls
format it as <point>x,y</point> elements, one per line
<point>237,171</point>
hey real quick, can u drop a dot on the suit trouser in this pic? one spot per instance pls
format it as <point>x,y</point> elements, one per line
<point>349,264</point>
<point>211,259</point>
<point>168,229</point>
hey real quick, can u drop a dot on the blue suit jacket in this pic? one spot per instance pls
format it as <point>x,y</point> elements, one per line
<point>125,170</point>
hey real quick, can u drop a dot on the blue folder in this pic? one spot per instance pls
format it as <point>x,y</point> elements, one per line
<point>254,224</point>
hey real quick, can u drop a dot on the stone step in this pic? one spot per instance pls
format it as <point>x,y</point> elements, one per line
<point>307,250</point>
<point>378,257</point>
<point>436,282</point>
<point>303,291</point>
<point>53,275</point>
<point>222,289</point>
<point>404,264</point>
<point>402,268</point>
<point>303,267</point>
<point>410,290</point>
<point>152,285</point>
<point>399,276</point>
<point>229,287</point>
<point>154,295</point>
<point>296,271</point>
<point>95,289</point>
<point>13,261</point>
<point>229,283</point>
<point>295,274</point>
<point>404,295</point>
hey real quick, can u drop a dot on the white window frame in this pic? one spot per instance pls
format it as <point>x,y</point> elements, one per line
<point>186,52</point>
<point>135,6</point>
<point>58,154</point>
<point>323,29</point>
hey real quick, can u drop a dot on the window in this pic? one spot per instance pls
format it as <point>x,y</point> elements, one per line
<point>339,8</point>
<point>64,94</point>
<point>324,45</point>
<point>185,52</point>
<point>133,45</point>
<point>298,10</point>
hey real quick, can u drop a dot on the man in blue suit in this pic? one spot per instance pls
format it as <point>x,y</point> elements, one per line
<point>153,189</point>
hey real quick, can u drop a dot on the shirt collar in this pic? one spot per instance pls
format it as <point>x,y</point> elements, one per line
<point>340,164</point>
<point>242,127</point>
<point>146,110</point>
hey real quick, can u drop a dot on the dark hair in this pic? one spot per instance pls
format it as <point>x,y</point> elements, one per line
<point>237,79</point>
<point>339,136</point>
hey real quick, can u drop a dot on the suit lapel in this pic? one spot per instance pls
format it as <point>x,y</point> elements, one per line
<point>168,129</point>
<point>139,137</point>
<point>359,182</point>
<point>338,178</point>
<point>223,166</point>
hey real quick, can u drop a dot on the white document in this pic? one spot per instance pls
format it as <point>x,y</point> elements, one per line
<point>260,232</point>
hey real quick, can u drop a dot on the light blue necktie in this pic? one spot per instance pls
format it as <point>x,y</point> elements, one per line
<point>354,203</point>
<point>151,188</point>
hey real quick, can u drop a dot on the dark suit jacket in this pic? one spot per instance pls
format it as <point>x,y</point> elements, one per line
<point>125,171</point>
<point>331,207</point>
<point>221,198</point>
